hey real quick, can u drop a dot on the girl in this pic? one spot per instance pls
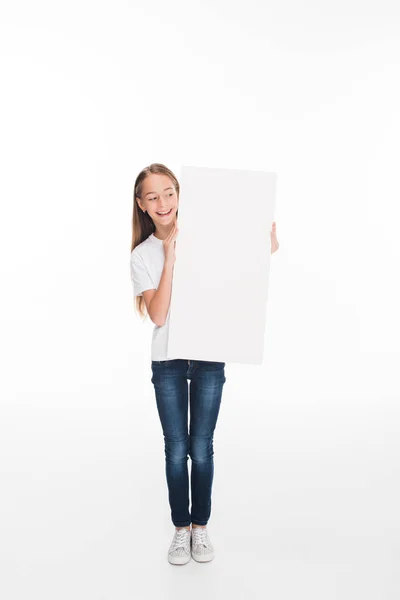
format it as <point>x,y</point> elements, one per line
<point>154,232</point>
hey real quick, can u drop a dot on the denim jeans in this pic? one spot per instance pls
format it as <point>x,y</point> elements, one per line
<point>206,380</point>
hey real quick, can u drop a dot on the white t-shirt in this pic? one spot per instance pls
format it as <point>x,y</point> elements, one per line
<point>147,263</point>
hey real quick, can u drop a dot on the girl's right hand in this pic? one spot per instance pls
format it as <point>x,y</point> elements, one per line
<point>169,245</point>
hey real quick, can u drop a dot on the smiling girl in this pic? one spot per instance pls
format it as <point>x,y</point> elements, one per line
<point>154,233</point>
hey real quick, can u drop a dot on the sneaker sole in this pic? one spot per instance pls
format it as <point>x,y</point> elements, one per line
<point>203,557</point>
<point>178,560</point>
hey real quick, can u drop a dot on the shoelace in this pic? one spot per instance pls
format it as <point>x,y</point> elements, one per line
<point>199,535</point>
<point>180,539</point>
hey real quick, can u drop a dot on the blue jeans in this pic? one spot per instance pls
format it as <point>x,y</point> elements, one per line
<point>172,395</point>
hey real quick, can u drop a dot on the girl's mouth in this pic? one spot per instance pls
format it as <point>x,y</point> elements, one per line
<point>166,215</point>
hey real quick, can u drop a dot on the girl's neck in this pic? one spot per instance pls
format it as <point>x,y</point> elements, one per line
<point>162,234</point>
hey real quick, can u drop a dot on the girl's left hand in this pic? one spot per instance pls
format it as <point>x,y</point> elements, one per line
<point>274,241</point>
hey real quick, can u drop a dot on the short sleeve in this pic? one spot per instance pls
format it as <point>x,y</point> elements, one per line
<point>141,280</point>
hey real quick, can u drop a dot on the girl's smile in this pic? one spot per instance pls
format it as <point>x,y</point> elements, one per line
<point>164,215</point>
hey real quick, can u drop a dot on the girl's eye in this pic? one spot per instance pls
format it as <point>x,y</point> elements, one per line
<point>171,194</point>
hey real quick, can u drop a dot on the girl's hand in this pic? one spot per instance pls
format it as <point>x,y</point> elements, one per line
<point>274,241</point>
<point>169,245</point>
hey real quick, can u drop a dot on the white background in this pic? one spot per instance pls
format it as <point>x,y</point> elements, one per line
<point>306,489</point>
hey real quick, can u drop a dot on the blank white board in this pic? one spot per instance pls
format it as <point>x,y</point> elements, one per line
<point>221,273</point>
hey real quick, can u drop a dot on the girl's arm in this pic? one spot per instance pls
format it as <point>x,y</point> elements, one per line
<point>157,301</point>
<point>274,239</point>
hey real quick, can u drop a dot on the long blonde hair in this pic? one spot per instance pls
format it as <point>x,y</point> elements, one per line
<point>142,223</point>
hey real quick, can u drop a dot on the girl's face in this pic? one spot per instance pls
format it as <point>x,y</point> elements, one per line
<point>159,196</point>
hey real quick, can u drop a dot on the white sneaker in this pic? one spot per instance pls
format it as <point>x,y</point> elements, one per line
<point>202,548</point>
<point>179,550</point>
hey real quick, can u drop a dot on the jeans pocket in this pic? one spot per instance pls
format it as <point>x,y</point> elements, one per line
<point>213,365</point>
